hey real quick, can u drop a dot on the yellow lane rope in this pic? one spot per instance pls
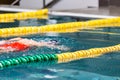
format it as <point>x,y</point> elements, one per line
<point>10,17</point>
<point>58,58</point>
<point>76,26</point>
<point>61,28</point>
<point>94,52</point>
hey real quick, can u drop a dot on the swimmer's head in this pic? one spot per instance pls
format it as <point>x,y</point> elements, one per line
<point>55,42</point>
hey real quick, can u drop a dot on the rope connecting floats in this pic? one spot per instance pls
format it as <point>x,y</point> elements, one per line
<point>10,17</point>
<point>61,28</point>
<point>28,59</point>
<point>76,26</point>
<point>59,58</point>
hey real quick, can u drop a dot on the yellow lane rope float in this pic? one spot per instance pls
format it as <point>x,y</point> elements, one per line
<point>94,52</point>
<point>59,58</point>
<point>61,28</point>
<point>10,17</point>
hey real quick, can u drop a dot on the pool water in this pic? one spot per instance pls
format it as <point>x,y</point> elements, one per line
<point>36,22</point>
<point>105,67</point>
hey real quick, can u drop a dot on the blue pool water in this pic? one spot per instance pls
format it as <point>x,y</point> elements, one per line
<point>105,67</point>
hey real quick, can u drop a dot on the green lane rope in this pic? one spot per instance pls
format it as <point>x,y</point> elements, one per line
<point>60,58</point>
<point>28,59</point>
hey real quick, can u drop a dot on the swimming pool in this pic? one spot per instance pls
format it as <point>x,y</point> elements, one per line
<point>105,67</point>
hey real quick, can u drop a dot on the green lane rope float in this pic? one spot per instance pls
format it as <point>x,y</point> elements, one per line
<point>10,17</point>
<point>28,59</point>
<point>59,58</point>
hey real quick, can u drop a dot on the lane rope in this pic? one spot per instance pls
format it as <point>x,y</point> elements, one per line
<point>10,17</point>
<point>61,28</point>
<point>59,58</point>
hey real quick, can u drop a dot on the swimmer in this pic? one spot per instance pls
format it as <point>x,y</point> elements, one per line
<point>19,44</point>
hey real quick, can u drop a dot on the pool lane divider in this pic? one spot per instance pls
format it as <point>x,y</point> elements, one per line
<point>59,58</point>
<point>10,17</point>
<point>28,59</point>
<point>61,28</point>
